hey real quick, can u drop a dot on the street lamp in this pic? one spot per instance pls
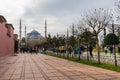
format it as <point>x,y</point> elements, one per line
<point>114,44</point>
<point>86,31</point>
<point>103,45</point>
<point>79,46</point>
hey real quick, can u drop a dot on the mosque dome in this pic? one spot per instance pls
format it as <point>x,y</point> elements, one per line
<point>34,32</point>
<point>34,35</point>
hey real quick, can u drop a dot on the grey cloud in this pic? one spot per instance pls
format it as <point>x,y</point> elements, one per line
<point>65,11</point>
<point>53,7</point>
<point>61,6</point>
<point>58,7</point>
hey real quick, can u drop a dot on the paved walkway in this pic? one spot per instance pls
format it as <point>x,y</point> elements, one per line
<point>43,67</point>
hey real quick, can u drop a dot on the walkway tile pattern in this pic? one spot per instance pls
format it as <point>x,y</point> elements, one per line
<point>43,67</point>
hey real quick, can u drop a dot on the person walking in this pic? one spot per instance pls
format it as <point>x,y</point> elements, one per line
<point>69,50</point>
<point>31,50</point>
<point>90,50</point>
<point>105,50</point>
<point>81,49</point>
<point>75,48</point>
<point>36,49</point>
<point>119,50</point>
<point>111,50</point>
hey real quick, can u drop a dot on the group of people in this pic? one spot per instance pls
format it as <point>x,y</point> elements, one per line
<point>81,50</point>
<point>60,49</point>
<point>75,49</point>
<point>110,49</point>
<point>31,50</point>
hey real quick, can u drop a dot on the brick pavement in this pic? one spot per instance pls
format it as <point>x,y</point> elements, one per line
<point>43,67</point>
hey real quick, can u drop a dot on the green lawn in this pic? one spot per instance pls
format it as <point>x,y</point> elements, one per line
<point>91,63</point>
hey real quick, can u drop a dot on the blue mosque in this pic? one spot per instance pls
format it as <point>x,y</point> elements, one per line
<point>34,35</point>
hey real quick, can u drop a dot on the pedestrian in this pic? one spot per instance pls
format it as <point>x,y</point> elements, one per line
<point>60,50</point>
<point>64,50</point>
<point>81,49</point>
<point>75,48</point>
<point>90,50</point>
<point>111,50</point>
<point>43,50</point>
<point>31,50</point>
<point>36,49</point>
<point>119,50</point>
<point>69,50</point>
<point>105,50</point>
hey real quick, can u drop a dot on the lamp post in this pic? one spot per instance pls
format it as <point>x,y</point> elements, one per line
<point>104,37</point>
<point>86,31</point>
<point>114,44</point>
<point>78,46</point>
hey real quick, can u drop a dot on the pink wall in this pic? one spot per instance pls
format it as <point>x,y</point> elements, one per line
<point>6,38</point>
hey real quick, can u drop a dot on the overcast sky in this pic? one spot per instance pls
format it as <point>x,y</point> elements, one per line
<point>60,14</point>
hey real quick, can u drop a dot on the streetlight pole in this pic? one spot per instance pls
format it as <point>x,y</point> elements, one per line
<point>114,44</point>
<point>79,46</point>
<point>87,43</point>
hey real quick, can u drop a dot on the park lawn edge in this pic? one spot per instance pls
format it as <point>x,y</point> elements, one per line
<point>91,63</point>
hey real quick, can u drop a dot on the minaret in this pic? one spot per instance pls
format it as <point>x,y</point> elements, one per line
<point>20,28</point>
<point>25,31</point>
<point>73,32</point>
<point>67,34</point>
<point>45,28</point>
<point>25,38</point>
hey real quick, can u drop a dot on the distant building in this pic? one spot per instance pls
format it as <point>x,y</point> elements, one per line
<point>6,37</point>
<point>34,35</point>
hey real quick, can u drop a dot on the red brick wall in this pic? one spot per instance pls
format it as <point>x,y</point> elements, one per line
<point>6,42</point>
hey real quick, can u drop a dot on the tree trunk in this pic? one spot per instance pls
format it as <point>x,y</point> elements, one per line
<point>98,49</point>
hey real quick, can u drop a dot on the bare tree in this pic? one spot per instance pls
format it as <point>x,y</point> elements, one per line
<point>116,27</point>
<point>73,30</point>
<point>117,8</point>
<point>97,20</point>
<point>81,27</point>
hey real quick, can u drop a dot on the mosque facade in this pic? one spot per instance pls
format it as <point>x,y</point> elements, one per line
<point>34,35</point>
